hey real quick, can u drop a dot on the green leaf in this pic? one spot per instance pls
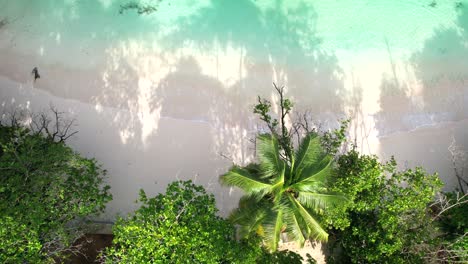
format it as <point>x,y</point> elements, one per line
<point>242,179</point>
<point>317,173</point>
<point>293,227</point>
<point>318,201</point>
<point>315,229</point>
<point>308,154</point>
<point>268,155</point>
<point>273,225</point>
<point>249,215</point>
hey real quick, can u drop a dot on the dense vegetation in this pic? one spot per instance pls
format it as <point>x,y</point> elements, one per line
<point>392,216</point>
<point>46,191</point>
<point>386,219</point>
<point>181,226</point>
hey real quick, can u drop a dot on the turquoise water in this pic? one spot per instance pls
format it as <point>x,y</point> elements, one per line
<point>282,29</point>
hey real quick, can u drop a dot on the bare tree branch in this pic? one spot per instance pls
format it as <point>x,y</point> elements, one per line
<point>459,160</point>
<point>56,128</point>
<point>443,203</point>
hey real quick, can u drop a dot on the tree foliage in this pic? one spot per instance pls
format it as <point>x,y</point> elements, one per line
<point>387,219</point>
<point>46,191</point>
<point>181,226</point>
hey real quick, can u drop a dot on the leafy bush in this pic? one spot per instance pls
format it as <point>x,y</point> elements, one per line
<point>181,226</point>
<point>387,218</point>
<point>46,190</point>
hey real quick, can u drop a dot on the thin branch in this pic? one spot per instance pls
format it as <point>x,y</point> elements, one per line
<point>458,158</point>
<point>226,157</point>
<point>56,128</point>
<point>446,255</point>
<point>445,204</point>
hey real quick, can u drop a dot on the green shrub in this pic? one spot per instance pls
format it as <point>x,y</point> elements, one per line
<point>459,248</point>
<point>387,218</point>
<point>181,226</point>
<point>46,190</point>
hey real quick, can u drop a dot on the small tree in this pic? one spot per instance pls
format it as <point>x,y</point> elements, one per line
<point>46,191</point>
<point>387,218</point>
<point>286,192</point>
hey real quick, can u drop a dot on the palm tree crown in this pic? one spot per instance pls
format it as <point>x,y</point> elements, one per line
<point>283,195</point>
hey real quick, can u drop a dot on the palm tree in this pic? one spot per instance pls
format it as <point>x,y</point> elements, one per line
<point>283,193</point>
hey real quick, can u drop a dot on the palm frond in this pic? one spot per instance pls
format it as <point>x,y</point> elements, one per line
<point>248,215</point>
<point>268,155</point>
<point>318,201</point>
<point>277,186</point>
<point>293,226</point>
<point>308,153</point>
<point>249,183</point>
<point>253,168</point>
<point>309,186</point>
<point>273,225</point>
<point>318,172</point>
<point>316,231</point>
